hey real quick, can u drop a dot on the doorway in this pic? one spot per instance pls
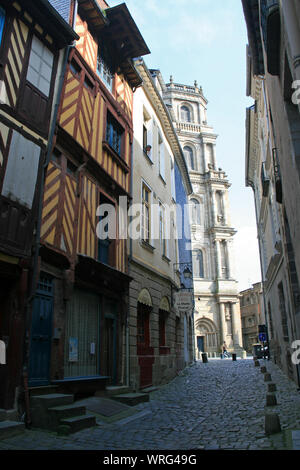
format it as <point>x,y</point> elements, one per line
<point>41,333</point>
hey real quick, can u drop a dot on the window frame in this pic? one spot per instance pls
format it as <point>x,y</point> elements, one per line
<point>146,204</point>
<point>114,130</point>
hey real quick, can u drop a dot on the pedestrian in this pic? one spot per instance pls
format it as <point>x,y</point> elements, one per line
<point>224,350</point>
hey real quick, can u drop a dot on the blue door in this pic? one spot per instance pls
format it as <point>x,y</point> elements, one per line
<point>200,343</point>
<point>41,333</point>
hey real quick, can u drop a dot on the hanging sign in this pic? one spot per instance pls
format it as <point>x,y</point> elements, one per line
<point>184,301</point>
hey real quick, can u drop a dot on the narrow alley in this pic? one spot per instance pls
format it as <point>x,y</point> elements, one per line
<point>209,406</point>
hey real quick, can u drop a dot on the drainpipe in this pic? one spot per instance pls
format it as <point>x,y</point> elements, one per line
<point>129,261</point>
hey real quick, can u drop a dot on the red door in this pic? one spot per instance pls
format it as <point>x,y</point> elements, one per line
<point>144,350</point>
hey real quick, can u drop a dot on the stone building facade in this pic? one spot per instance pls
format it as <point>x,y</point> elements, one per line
<point>217,312</point>
<point>160,338</point>
<point>252,315</point>
<point>272,169</point>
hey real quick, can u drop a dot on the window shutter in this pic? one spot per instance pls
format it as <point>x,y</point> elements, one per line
<point>40,66</point>
<point>21,171</point>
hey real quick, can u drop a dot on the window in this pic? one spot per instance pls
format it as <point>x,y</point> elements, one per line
<point>114,133</point>
<point>104,66</point>
<point>173,186</point>
<point>147,134</point>
<point>40,66</point>
<point>88,84</point>
<point>189,157</point>
<point>75,68</point>
<point>198,270</point>
<point>2,22</point>
<point>185,114</point>
<point>161,156</point>
<point>146,224</point>
<point>162,229</point>
<point>195,212</point>
<point>284,320</point>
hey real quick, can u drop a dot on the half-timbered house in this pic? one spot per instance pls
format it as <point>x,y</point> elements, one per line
<point>85,279</point>
<point>32,39</point>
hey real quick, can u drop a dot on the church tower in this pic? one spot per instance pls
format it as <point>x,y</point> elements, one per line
<point>217,310</point>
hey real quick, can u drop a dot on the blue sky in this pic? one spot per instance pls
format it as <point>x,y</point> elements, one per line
<point>205,40</point>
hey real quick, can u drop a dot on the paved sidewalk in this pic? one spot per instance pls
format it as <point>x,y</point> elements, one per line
<point>218,405</point>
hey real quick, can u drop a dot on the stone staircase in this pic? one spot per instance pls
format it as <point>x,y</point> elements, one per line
<point>9,426</point>
<point>123,394</point>
<point>58,412</point>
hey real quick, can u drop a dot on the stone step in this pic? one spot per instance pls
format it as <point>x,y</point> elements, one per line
<point>131,399</point>
<point>150,389</point>
<point>77,423</point>
<point>10,429</point>
<point>57,413</point>
<point>43,390</point>
<point>111,390</point>
<point>51,400</point>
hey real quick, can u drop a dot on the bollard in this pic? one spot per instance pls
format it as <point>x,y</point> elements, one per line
<point>271,399</point>
<point>263,369</point>
<point>204,357</point>
<point>272,387</point>
<point>256,363</point>
<point>268,378</point>
<point>272,424</point>
<point>234,356</point>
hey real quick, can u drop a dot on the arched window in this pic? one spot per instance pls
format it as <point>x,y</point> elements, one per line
<point>185,114</point>
<point>189,157</point>
<point>198,268</point>
<point>195,212</point>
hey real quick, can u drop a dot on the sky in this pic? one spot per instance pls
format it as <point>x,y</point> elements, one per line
<point>205,40</point>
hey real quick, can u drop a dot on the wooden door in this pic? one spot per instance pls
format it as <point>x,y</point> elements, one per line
<point>41,333</point>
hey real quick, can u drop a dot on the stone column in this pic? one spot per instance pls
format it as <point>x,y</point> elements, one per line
<point>236,325</point>
<point>214,208</point>
<point>228,260</point>
<point>222,323</point>
<point>218,259</point>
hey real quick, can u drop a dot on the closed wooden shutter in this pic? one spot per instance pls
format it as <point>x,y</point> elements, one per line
<point>82,332</point>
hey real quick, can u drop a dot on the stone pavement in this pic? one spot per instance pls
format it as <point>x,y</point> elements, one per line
<point>218,405</point>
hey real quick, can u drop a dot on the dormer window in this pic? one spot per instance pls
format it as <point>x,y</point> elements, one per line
<point>104,66</point>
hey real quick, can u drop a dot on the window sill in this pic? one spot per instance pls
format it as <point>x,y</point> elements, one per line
<point>117,157</point>
<point>147,245</point>
<point>165,258</point>
<point>162,180</point>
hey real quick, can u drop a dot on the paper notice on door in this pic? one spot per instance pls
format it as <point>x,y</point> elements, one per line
<point>73,349</point>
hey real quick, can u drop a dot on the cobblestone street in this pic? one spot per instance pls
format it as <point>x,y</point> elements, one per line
<point>218,405</point>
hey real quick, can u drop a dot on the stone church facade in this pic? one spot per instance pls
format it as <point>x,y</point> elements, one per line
<point>217,310</point>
